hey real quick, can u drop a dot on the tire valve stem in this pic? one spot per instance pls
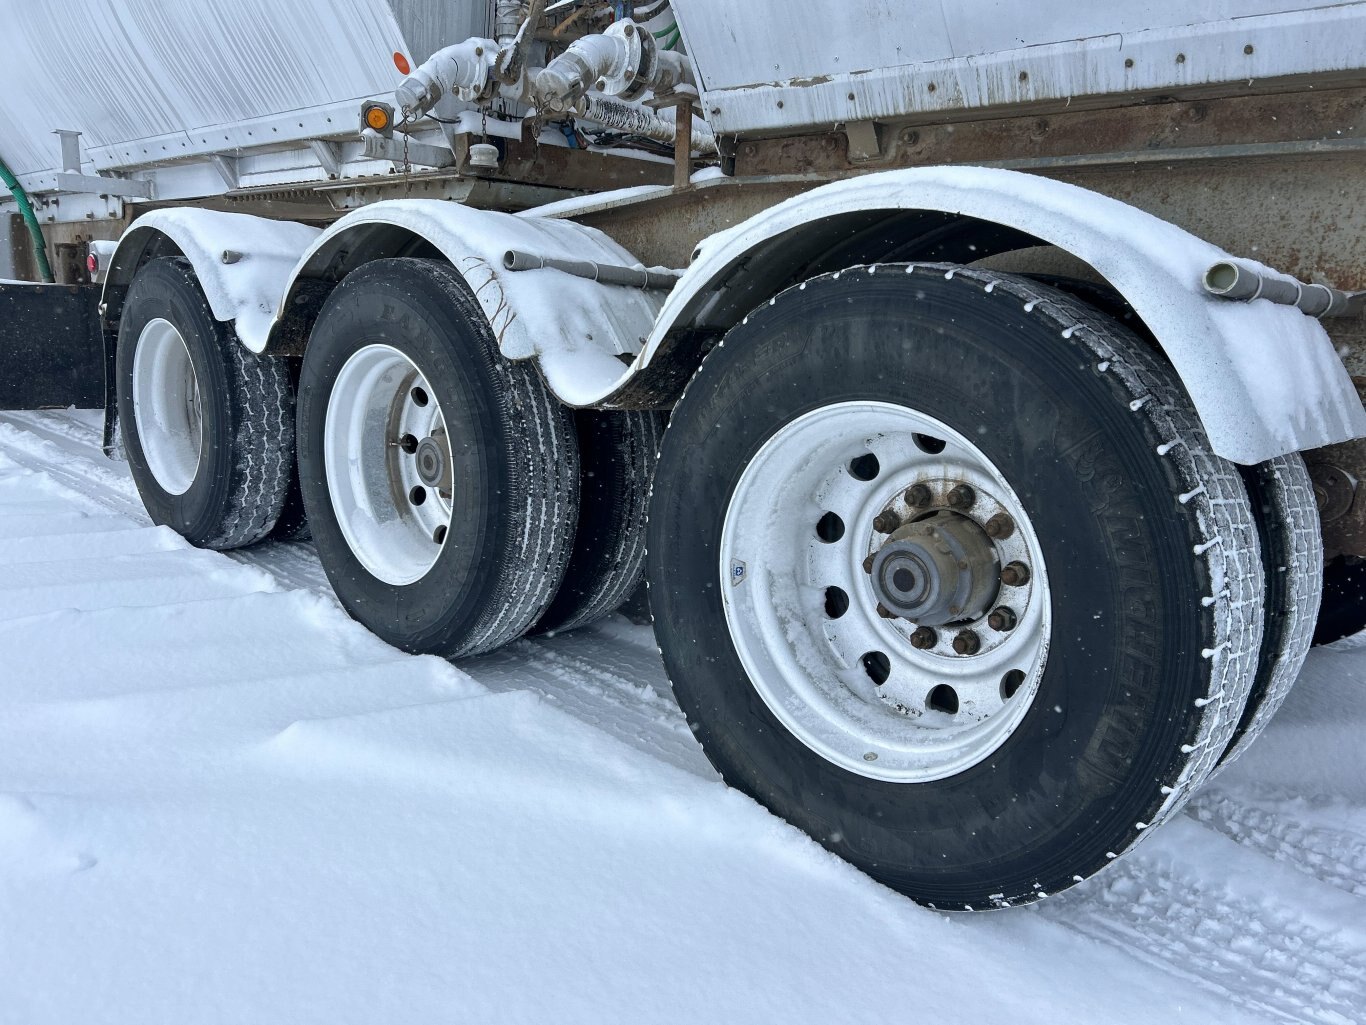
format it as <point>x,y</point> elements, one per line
<point>924,638</point>
<point>1002,619</point>
<point>962,497</point>
<point>1015,574</point>
<point>966,642</point>
<point>918,496</point>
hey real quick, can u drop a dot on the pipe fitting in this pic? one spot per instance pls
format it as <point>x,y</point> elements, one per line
<point>1234,279</point>
<point>462,69</point>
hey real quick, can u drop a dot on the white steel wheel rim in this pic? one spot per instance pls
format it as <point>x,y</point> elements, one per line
<point>809,667</point>
<point>166,407</point>
<point>393,509</point>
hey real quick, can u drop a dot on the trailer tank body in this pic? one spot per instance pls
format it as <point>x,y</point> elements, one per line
<point>147,81</point>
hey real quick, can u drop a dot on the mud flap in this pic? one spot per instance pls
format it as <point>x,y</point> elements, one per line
<point>51,346</point>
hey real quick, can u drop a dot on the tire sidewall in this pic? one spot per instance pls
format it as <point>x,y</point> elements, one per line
<point>1085,770</point>
<point>166,289</point>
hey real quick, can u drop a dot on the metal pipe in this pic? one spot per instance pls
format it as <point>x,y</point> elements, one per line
<point>604,273</point>
<point>1233,279</point>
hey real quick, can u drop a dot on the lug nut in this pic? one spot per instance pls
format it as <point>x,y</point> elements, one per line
<point>924,638</point>
<point>1002,619</point>
<point>966,643</point>
<point>886,521</point>
<point>918,496</point>
<point>962,497</point>
<point>884,612</point>
<point>1015,574</point>
<point>1000,527</point>
<point>868,563</point>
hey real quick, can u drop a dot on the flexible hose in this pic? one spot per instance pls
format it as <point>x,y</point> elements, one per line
<point>31,219</point>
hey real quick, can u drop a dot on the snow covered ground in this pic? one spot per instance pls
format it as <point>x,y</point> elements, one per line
<point>221,800</point>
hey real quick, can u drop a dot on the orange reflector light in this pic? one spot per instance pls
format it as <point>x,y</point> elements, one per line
<point>401,62</point>
<point>377,118</point>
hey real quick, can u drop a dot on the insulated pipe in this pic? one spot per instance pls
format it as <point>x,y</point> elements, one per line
<point>462,66</point>
<point>506,20</point>
<point>633,120</point>
<point>623,61</point>
<point>1231,279</point>
<point>30,219</point>
<point>604,273</point>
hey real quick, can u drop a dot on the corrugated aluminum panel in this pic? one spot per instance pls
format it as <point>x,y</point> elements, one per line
<point>161,79</point>
<point>769,65</point>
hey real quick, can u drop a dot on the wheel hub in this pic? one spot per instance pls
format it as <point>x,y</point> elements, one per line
<point>432,468</point>
<point>938,570</point>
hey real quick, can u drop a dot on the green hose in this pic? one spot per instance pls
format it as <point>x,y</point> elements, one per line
<point>26,210</point>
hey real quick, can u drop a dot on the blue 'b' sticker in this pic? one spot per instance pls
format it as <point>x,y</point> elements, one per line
<point>737,572</point>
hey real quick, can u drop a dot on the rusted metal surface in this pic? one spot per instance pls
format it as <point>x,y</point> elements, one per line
<point>1339,475</point>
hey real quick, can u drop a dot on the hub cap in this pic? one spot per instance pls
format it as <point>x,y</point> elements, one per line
<point>885,591</point>
<point>388,464</point>
<point>166,407</point>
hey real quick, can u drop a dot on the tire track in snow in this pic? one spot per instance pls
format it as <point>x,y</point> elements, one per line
<point>1330,856</point>
<point>1258,952</point>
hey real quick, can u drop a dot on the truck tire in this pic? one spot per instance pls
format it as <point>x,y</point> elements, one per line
<point>207,426</point>
<point>440,479</point>
<point>1282,496</point>
<point>617,455</point>
<point>1048,652</point>
<point>1343,611</point>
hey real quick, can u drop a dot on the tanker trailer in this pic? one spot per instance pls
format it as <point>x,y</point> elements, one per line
<point>1005,357</point>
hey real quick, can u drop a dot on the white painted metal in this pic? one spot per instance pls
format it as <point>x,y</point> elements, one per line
<point>808,666</point>
<point>393,522</point>
<point>146,81</point>
<point>576,328</point>
<point>1265,378</point>
<point>247,291</point>
<point>801,63</point>
<point>166,406</point>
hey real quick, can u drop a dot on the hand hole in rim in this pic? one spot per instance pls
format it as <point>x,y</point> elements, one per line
<point>419,396</point>
<point>836,602</point>
<point>408,443</point>
<point>830,528</point>
<point>1010,683</point>
<point>878,667</point>
<point>943,699</point>
<point>417,495</point>
<point>865,467</point>
<point>929,443</point>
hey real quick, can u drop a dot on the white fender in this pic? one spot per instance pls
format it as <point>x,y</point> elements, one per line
<point>1265,379</point>
<point>574,327</point>
<point>246,291</point>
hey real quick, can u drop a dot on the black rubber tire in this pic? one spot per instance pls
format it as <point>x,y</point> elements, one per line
<point>1343,610</point>
<point>1140,693</point>
<point>292,524</point>
<point>617,456</point>
<point>516,464</point>
<point>1282,496</point>
<point>247,410</point>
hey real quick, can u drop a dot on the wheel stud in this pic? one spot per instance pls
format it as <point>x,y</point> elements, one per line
<point>962,497</point>
<point>1015,574</point>
<point>1002,619</point>
<point>966,642</point>
<point>924,638</point>
<point>1000,527</point>
<point>886,521</point>
<point>408,443</point>
<point>918,496</point>
<point>868,563</point>
<point>885,612</point>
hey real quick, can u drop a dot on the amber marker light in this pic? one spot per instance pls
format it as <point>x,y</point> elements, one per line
<point>377,118</point>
